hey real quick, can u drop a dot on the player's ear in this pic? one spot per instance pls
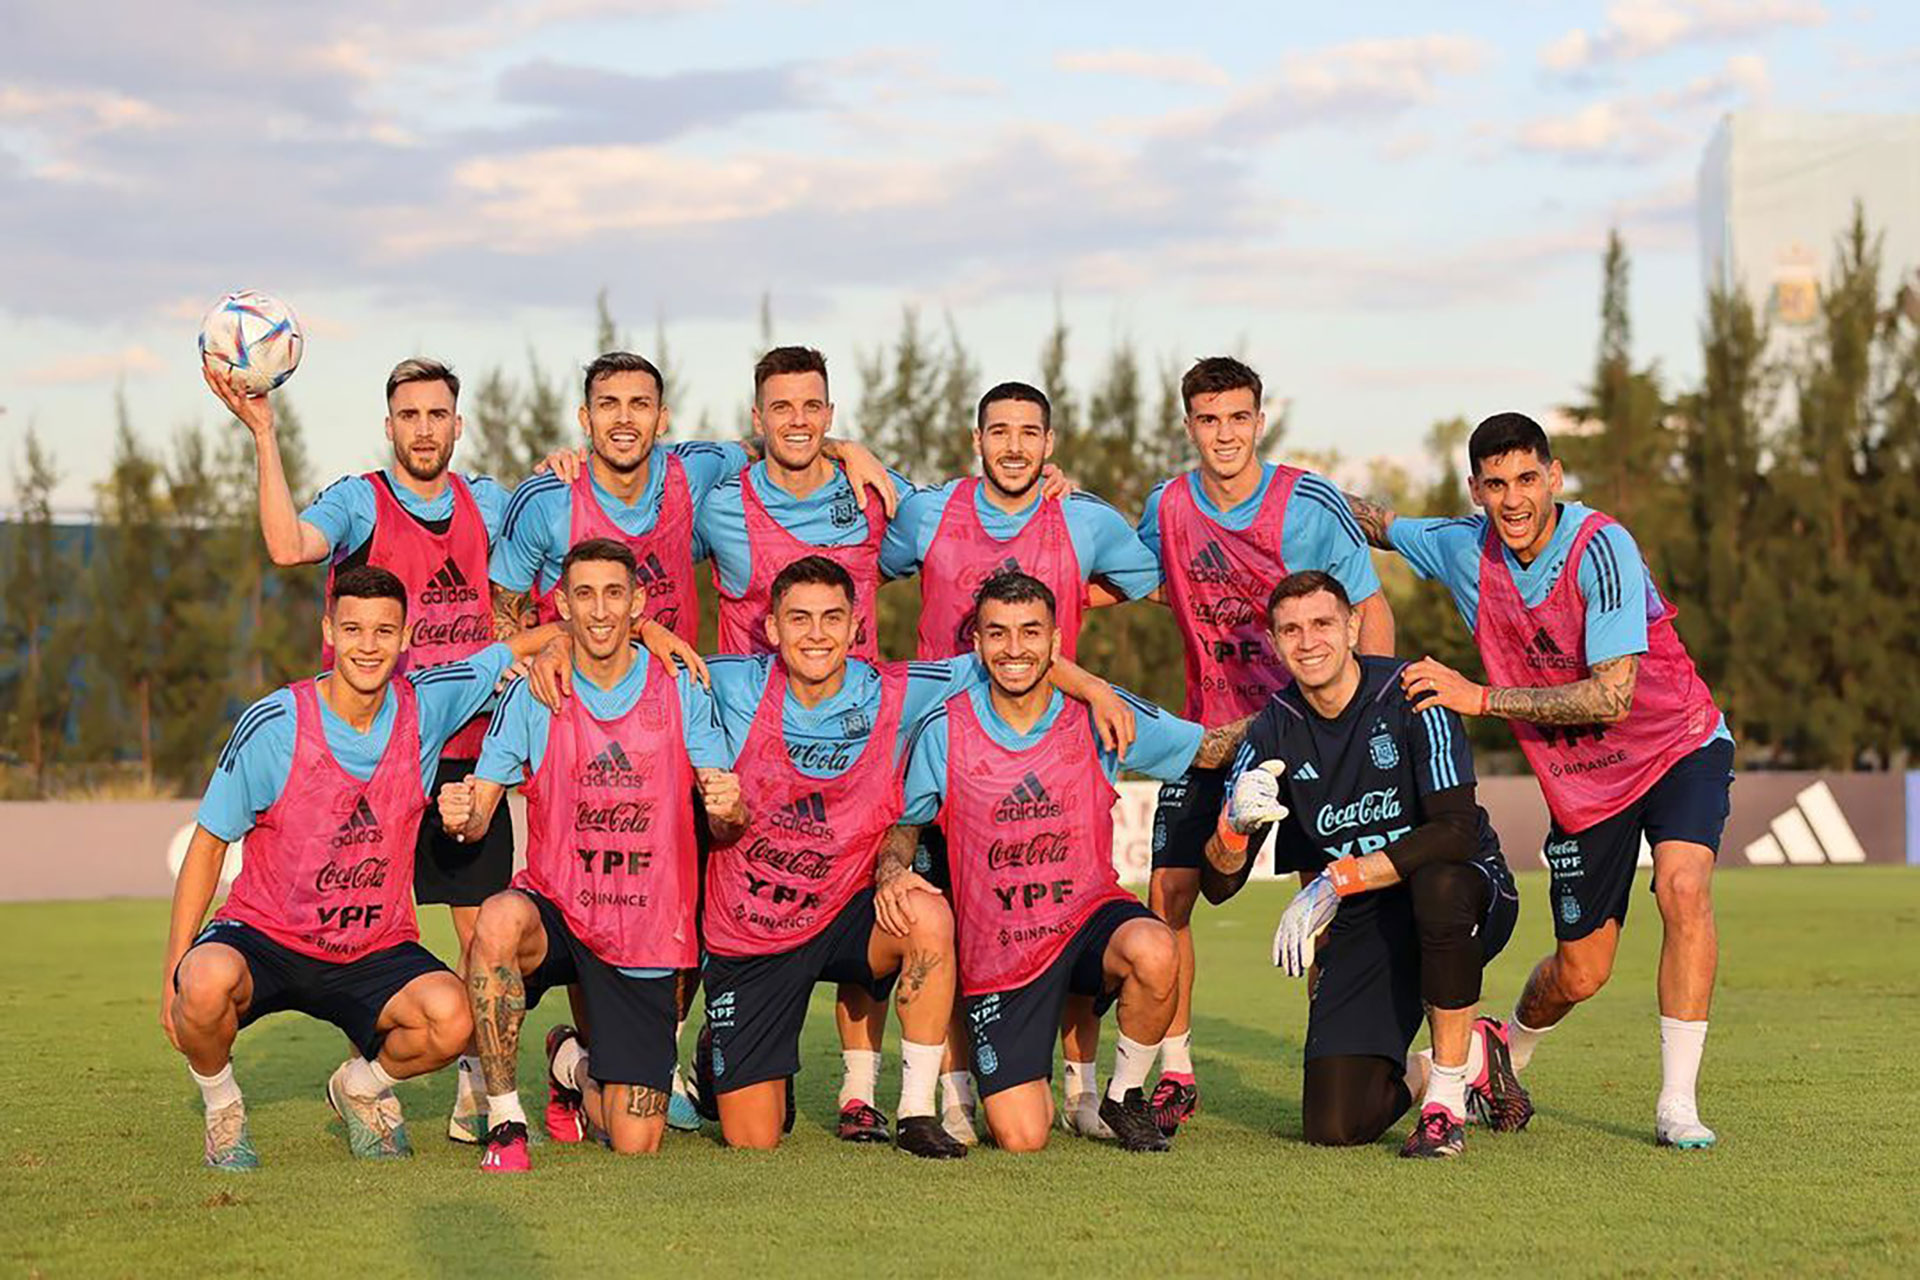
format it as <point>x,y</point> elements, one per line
<point>1473,488</point>
<point>459,423</point>
<point>1353,628</point>
<point>773,635</point>
<point>1556,477</point>
<point>582,415</point>
<point>406,637</point>
<point>326,629</point>
<point>637,603</point>
<point>1053,650</point>
<point>662,422</point>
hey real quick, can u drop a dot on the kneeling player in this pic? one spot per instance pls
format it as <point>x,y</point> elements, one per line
<point>1412,893</point>
<point>1023,792</point>
<point>327,780</point>
<point>607,899</point>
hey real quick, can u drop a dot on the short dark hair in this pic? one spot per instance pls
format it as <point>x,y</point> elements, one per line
<point>1506,433</point>
<point>367,582</point>
<point>1024,392</point>
<point>1214,374</point>
<point>1306,582</point>
<point>421,369</point>
<point>613,362</point>
<point>812,571</point>
<point>787,360</point>
<point>607,550</point>
<point>1011,586</point>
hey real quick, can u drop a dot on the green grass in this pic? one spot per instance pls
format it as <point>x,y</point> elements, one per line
<point>1809,1079</point>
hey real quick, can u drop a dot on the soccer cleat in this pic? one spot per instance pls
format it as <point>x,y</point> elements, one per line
<point>563,1104</point>
<point>506,1149</point>
<point>1682,1130</point>
<point>468,1122</point>
<point>860,1122</point>
<point>922,1136</point>
<point>1438,1133</point>
<point>1134,1127</point>
<point>682,1114</point>
<point>375,1127</point>
<point>1173,1103</point>
<point>958,1120</point>
<point>229,1145</point>
<point>1497,1099</point>
<point>1081,1116</point>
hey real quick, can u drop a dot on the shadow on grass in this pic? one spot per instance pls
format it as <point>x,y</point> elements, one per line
<point>1249,1107</point>
<point>455,1239</point>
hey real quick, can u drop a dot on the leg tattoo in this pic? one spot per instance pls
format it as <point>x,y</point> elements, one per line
<point>646,1103</point>
<point>499,997</point>
<point>913,978</point>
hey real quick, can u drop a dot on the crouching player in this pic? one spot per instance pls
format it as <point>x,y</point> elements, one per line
<point>1412,893</point>
<point>607,899</point>
<point>1024,794</point>
<point>327,780</point>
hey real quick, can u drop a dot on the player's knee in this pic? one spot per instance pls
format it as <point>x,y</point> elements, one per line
<point>1446,895</point>
<point>449,1020</point>
<point>1582,972</point>
<point>503,921</point>
<point>1021,1134</point>
<point>1685,894</point>
<point>1154,959</point>
<point>932,928</point>
<point>1343,1130</point>
<point>207,983</point>
<point>634,1138</point>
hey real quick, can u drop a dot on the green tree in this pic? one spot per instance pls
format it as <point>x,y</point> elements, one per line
<point>126,618</point>
<point>38,637</point>
<point>197,645</point>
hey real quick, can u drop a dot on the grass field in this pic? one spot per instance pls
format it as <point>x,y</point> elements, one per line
<point>1810,1081</point>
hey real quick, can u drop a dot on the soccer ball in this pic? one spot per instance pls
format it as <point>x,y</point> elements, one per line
<point>256,337</point>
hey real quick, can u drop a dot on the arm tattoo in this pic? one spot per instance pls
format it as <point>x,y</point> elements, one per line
<point>509,609</point>
<point>499,999</point>
<point>896,852</point>
<point>1218,745</point>
<point>1373,520</point>
<point>646,1103</point>
<point>1605,697</point>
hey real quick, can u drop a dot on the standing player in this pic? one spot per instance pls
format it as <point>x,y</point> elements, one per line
<point>633,489</point>
<point>327,780</point>
<point>1225,533</point>
<point>607,899</point>
<point>961,533</point>
<point>1621,732</point>
<point>1018,781</point>
<point>1411,891</point>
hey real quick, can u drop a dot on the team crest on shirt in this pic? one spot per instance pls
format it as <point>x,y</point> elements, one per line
<point>1384,750</point>
<point>844,510</point>
<point>855,723</point>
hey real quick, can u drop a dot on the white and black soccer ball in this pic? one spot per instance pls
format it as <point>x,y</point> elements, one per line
<point>255,336</point>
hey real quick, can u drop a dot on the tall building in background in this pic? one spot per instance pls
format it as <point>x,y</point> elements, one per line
<point>1778,189</point>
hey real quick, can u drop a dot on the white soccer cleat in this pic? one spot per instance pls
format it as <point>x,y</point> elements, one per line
<point>1682,1130</point>
<point>1081,1116</point>
<point>957,1120</point>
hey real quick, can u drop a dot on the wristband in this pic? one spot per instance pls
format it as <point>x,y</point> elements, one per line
<point>1344,875</point>
<point>1231,840</point>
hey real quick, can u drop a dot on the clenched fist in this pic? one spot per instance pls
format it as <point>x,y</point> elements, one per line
<point>456,807</point>
<point>720,796</point>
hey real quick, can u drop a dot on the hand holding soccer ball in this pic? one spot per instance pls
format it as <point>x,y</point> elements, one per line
<point>253,340</point>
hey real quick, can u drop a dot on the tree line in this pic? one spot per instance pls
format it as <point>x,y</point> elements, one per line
<point>1777,502</point>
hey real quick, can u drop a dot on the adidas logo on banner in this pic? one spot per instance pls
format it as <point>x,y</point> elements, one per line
<point>449,586</point>
<point>1814,831</point>
<point>807,815</point>
<point>1306,772</point>
<point>1028,799</point>
<point>361,827</point>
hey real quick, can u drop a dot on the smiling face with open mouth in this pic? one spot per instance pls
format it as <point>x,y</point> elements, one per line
<point>1517,490</point>
<point>1017,640</point>
<point>623,416</point>
<point>812,625</point>
<point>1225,427</point>
<point>1315,635</point>
<point>599,607</point>
<point>1014,444</point>
<point>367,636</point>
<point>792,415</point>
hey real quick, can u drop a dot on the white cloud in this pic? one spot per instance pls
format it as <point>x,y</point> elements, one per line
<point>1637,29</point>
<point>1645,126</point>
<point>100,109</point>
<point>1166,68</point>
<point>100,367</point>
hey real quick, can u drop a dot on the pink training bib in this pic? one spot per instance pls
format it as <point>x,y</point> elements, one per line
<point>610,829</point>
<point>811,843</point>
<point>743,617</point>
<point>665,552</point>
<point>1218,580</point>
<point>1030,845</point>
<point>1588,772</point>
<point>963,555</point>
<point>448,603</point>
<point>329,866</point>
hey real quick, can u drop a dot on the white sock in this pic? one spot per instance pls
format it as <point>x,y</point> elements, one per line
<point>469,1089</point>
<point>365,1079</point>
<point>1131,1062</point>
<point>1521,1040</point>
<point>504,1108</point>
<point>1681,1044</point>
<point>1176,1054</point>
<point>919,1076</point>
<point>679,1083</point>
<point>1447,1087</point>
<point>956,1089</point>
<point>217,1090</point>
<point>1419,1064</point>
<point>861,1083</point>
<point>1082,1078</point>
<point>566,1063</point>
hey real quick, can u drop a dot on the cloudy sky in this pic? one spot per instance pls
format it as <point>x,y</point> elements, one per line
<point>1395,210</point>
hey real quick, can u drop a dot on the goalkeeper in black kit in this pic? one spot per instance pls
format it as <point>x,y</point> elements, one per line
<point>1406,896</point>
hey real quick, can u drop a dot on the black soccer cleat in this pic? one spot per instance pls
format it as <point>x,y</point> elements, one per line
<point>922,1136</point>
<point>1497,1099</point>
<point>861,1122</point>
<point>1173,1104</point>
<point>1132,1124</point>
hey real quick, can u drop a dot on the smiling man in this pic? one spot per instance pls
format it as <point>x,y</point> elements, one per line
<point>1225,532</point>
<point>1620,730</point>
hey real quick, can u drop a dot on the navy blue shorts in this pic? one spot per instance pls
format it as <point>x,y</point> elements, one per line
<point>1013,1031</point>
<point>757,1005</point>
<point>1185,817</point>
<point>1593,869</point>
<point>351,996</point>
<point>458,873</point>
<point>630,1021</point>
